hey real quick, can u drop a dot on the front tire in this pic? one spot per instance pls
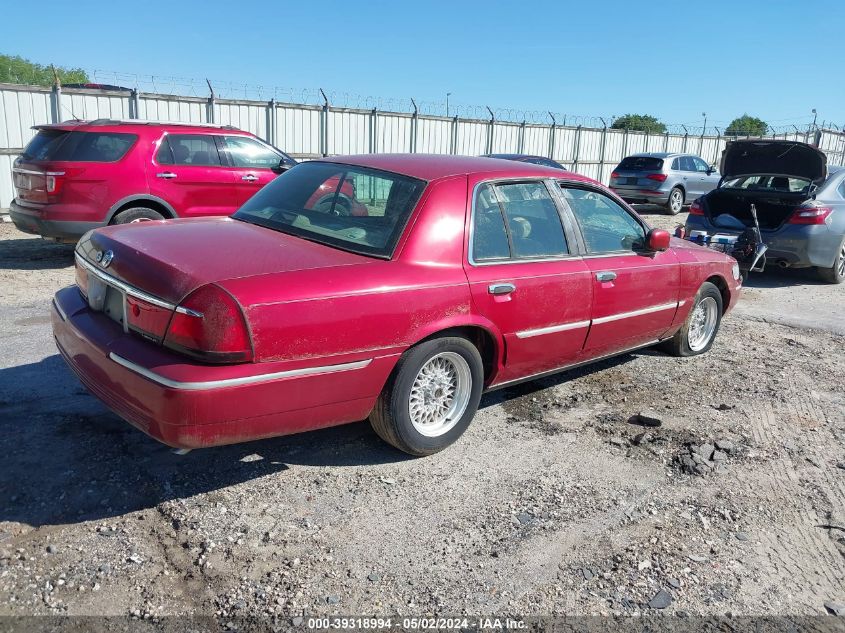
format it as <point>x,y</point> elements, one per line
<point>836,273</point>
<point>431,396</point>
<point>676,201</point>
<point>698,332</point>
<point>136,214</point>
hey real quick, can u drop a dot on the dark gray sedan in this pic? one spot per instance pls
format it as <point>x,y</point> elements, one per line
<point>670,180</point>
<point>799,204</point>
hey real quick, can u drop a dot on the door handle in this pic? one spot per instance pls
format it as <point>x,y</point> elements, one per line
<point>167,175</point>
<point>250,177</point>
<point>501,289</point>
<point>606,275</point>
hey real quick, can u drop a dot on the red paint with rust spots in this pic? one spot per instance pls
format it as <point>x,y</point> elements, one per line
<point>307,305</point>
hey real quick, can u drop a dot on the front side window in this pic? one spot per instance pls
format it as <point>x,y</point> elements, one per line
<point>516,220</point>
<point>687,163</point>
<point>247,152</point>
<point>605,225</point>
<point>700,165</point>
<point>198,150</point>
<point>353,208</point>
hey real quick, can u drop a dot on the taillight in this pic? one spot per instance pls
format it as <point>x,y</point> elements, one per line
<point>657,177</point>
<point>147,318</point>
<point>810,215</point>
<point>210,325</point>
<point>614,175</point>
<point>695,208</point>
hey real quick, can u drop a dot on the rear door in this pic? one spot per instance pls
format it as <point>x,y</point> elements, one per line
<point>634,291</point>
<point>525,278</point>
<point>250,162</point>
<point>187,172</point>
<point>706,181</point>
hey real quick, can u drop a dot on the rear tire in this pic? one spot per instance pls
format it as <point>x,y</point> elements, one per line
<point>676,201</point>
<point>136,214</point>
<point>836,273</point>
<point>431,396</point>
<point>698,332</point>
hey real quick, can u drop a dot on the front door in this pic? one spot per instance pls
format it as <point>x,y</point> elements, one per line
<point>251,164</point>
<point>635,292</point>
<point>187,173</point>
<point>524,279</point>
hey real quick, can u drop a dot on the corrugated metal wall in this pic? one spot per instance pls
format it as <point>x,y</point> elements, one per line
<point>308,131</point>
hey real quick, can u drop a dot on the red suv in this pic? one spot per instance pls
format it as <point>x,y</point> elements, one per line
<point>81,175</point>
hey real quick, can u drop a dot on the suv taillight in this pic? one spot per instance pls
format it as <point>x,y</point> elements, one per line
<point>657,177</point>
<point>695,208</point>
<point>810,214</point>
<point>210,326</point>
<point>614,175</point>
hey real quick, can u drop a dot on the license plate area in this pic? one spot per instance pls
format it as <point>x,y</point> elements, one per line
<point>106,299</point>
<point>631,180</point>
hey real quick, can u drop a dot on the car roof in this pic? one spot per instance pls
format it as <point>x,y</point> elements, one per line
<point>435,166</point>
<point>117,125</point>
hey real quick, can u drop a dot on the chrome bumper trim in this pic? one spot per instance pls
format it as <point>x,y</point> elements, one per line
<point>235,382</point>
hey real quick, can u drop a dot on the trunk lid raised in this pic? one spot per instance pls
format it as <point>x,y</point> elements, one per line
<point>773,157</point>
<point>169,259</point>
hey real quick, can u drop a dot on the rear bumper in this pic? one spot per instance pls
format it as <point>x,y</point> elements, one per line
<point>190,405</point>
<point>31,221</point>
<point>795,245</point>
<point>641,196</point>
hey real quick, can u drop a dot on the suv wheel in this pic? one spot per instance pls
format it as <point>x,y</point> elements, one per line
<point>836,273</point>
<point>431,396</point>
<point>698,332</point>
<point>136,214</point>
<point>676,201</point>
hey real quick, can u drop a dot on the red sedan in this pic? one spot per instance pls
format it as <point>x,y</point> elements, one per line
<point>460,275</point>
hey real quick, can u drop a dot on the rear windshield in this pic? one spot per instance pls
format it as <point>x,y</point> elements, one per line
<point>641,163</point>
<point>779,184</point>
<point>353,208</point>
<point>101,147</point>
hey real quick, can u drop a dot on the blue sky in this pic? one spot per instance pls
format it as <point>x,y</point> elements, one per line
<point>774,59</point>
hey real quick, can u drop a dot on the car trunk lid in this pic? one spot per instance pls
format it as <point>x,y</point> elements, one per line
<point>774,158</point>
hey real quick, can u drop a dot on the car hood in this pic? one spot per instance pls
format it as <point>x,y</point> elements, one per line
<point>771,157</point>
<point>171,258</point>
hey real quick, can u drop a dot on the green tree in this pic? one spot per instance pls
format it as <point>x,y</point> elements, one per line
<point>747,126</point>
<point>640,123</point>
<point>17,70</point>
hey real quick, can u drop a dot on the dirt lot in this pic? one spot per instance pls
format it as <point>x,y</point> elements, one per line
<point>551,503</point>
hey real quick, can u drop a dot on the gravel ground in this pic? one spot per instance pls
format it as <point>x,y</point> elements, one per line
<point>556,501</point>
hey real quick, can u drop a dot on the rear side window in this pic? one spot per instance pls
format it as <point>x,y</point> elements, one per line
<point>641,163</point>
<point>91,147</point>
<point>517,220</point>
<point>198,150</point>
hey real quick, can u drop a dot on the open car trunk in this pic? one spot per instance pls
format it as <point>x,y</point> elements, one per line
<point>773,209</point>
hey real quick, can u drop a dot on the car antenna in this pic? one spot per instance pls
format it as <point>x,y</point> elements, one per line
<point>59,86</point>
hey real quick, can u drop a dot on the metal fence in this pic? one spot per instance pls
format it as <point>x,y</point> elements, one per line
<point>310,131</point>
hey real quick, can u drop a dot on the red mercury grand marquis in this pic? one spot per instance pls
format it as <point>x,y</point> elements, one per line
<point>465,274</point>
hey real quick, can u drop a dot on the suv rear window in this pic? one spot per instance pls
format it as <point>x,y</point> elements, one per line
<point>641,163</point>
<point>91,147</point>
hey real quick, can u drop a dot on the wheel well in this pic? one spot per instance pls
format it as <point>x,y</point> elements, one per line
<point>683,191</point>
<point>143,202</point>
<point>483,341</point>
<point>722,285</point>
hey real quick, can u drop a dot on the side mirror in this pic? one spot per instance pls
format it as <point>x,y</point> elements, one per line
<point>658,240</point>
<point>712,170</point>
<point>283,166</point>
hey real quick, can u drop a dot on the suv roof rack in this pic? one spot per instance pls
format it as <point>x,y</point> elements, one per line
<point>145,122</point>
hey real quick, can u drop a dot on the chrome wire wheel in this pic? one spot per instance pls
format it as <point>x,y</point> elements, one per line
<point>676,201</point>
<point>703,322</point>
<point>440,394</point>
